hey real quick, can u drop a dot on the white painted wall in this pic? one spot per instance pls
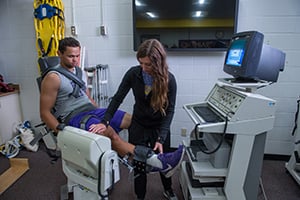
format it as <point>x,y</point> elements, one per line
<point>196,72</point>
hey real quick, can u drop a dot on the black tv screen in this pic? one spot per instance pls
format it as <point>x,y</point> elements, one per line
<point>185,25</point>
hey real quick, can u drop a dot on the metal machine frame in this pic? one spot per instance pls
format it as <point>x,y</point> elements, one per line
<point>293,165</point>
<point>248,117</point>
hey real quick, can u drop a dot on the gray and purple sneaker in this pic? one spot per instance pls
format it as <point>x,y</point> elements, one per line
<point>170,161</point>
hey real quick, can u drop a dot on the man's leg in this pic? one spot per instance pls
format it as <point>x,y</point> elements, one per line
<point>118,144</point>
<point>160,162</point>
<point>120,120</point>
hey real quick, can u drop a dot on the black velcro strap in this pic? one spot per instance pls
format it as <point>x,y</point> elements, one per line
<point>85,119</point>
<point>141,153</point>
<point>84,108</point>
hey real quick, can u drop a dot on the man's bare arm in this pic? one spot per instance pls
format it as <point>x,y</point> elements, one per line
<point>49,90</point>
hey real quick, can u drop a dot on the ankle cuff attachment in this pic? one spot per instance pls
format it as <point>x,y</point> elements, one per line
<point>141,154</point>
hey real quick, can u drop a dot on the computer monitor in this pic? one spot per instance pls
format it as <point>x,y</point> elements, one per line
<point>249,59</point>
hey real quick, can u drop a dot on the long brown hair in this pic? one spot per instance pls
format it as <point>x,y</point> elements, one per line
<point>155,51</point>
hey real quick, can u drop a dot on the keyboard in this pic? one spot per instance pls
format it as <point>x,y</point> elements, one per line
<point>207,114</point>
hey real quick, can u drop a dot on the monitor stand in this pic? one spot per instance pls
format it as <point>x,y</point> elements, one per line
<point>247,85</point>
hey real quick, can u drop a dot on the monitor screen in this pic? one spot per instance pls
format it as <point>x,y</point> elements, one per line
<point>236,53</point>
<point>249,59</point>
<point>243,54</point>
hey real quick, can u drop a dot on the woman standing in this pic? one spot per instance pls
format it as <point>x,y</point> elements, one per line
<point>154,89</point>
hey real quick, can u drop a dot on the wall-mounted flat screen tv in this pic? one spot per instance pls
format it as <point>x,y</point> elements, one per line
<point>185,25</point>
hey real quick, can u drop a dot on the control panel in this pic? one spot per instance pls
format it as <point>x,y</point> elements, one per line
<point>225,100</point>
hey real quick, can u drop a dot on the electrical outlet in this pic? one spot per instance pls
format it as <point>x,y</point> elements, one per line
<point>183,132</point>
<point>103,30</point>
<point>73,30</point>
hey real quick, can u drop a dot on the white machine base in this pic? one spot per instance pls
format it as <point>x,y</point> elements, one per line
<point>204,193</point>
<point>81,193</point>
<point>88,162</point>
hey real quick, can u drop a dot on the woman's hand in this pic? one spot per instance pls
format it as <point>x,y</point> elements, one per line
<point>97,128</point>
<point>158,146</point>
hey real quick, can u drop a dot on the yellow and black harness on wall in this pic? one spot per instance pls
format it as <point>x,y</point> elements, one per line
<point>49,23</point>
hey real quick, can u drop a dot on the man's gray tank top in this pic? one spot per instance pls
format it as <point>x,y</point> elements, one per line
<point>65,102</point>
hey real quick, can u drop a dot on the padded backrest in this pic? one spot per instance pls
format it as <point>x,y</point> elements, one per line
<point>45,63</point>
<point>51,64</point>
<point>48,62</point>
